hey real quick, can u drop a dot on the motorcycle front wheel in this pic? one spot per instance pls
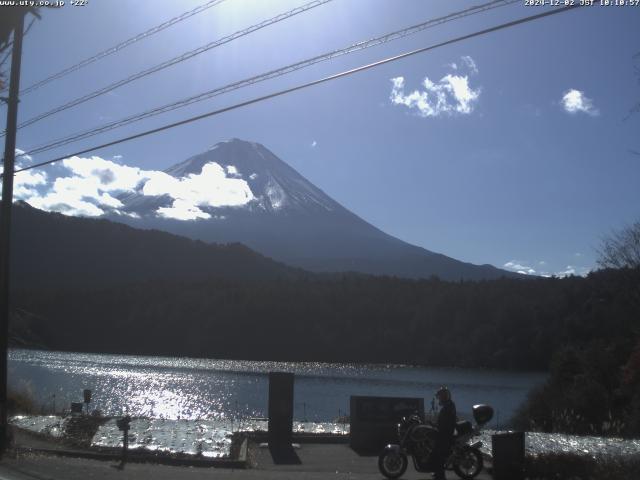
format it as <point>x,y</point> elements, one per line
<point>468,464</point>
<point>392,464</point>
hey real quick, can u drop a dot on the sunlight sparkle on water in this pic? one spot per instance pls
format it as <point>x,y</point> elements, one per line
<point>191,388</point>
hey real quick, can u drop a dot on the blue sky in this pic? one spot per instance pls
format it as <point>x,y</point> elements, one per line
<point>526,162</point>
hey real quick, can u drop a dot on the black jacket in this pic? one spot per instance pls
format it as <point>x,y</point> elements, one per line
<point>447,420</point>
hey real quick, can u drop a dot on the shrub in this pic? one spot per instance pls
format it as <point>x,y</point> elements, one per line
<point>20,403</point>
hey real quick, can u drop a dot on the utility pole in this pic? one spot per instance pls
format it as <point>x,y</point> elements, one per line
<point>5,224</point>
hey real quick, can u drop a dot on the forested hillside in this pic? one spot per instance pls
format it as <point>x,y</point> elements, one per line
<point>502,323</point>
<point>53,250</point>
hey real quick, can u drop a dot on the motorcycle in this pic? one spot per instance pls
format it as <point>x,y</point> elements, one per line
<point>417,440</point>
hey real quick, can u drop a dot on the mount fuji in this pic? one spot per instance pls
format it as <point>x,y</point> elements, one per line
<point>271,208</point>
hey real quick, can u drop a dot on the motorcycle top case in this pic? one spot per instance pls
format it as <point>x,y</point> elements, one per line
<point>482,414</point>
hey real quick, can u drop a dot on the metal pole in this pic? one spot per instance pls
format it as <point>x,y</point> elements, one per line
<point>5,224</point>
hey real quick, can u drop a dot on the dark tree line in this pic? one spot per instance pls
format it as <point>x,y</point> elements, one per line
<point>593,389</point>
<point>505,323</point>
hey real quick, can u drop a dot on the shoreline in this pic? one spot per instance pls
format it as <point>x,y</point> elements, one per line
<point>25,441</point>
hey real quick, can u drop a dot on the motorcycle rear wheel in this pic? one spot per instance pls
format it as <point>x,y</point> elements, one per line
<point>392,464</point>
<point>468,464</point>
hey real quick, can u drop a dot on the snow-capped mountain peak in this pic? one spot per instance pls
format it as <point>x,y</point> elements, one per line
<point>272,185</point>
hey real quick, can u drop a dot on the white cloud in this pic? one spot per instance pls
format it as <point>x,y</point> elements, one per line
<point>471,65</point>
<point>117,157</point>
<point>68,204</point>
<point>79,195</point>
<point>314,144</point>
<point>573,270</point>
<point>466,63</point>
<point>93,184</point>
<point>21,157</point>
<point>90,188</point>
<point>451,95</point>
<point>519,267</point>
<point>464,95</point>
<point>233,171</point>
<point>523,267</point>
<point>25,183</point>
<point>182,210</point>
<point>569,270</point>
<point>105,175</point>
<point>575,101</point>
<point>210,188</point>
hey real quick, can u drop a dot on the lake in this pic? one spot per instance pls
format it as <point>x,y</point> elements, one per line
<point>233,390</point>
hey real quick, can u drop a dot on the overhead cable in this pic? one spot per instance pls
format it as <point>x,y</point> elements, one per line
<point>120,46</point>
<point>174,61</point>
<point>269,75</point>
<point>346,73</point>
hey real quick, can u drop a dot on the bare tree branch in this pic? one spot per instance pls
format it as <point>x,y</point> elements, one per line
<point>621,249</point>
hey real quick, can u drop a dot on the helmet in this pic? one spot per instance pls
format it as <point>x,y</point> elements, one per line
<point>443,394</point>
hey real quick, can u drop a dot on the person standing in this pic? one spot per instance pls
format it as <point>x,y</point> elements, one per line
<point>447,418</point>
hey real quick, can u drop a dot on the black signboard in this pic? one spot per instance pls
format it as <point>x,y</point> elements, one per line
<point>280,408</point>
<point>374,420</point>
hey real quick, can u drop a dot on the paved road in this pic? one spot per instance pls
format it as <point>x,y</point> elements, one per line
<point>317,462</point>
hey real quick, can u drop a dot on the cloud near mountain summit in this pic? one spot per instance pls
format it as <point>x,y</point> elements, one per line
<point>92,186</point>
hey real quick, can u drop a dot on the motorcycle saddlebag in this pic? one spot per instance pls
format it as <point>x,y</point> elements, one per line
<point>482,414</point>
<point>464,427</point>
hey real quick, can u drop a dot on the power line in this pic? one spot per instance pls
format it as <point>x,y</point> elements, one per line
<point>121,45</point>
<point>175,60</point>
<point>305,85</point>
<point>271,74</point>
